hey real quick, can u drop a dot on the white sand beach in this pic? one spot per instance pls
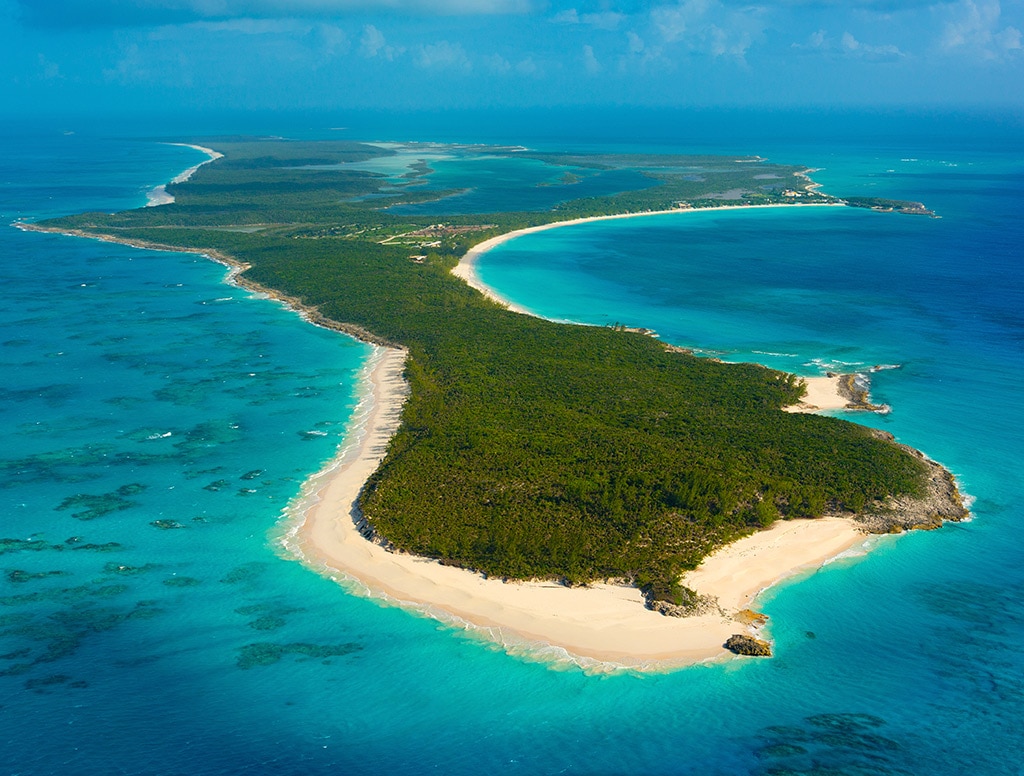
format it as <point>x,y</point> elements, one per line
<point>159,195</point>
<point>601,627</point>
<point>466,268</point>
<point>823,393</point>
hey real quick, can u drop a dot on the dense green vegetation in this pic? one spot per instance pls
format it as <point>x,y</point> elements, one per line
<point>890,205</point>
<point>528,448</point>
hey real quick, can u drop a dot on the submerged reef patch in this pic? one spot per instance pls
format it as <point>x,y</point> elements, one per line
<point>265,653</point>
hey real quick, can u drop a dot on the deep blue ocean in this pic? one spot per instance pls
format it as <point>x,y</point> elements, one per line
<point>155,423</point>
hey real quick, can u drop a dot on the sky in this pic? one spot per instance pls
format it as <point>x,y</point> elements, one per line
<point>156,55</point>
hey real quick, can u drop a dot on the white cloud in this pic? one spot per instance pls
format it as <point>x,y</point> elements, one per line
<point>675,21</point>
<point>372,44</point>
<point>1009,39</point>
<point>636,43</point>
<point>527,67</point>
<point>885,52</point>
<point>722,42</point>
<point>328,41</point>
<point>849,46</point>
<point>249,26</point>
<point>129,68</point>
<point>815,40</point>
<point>604,20</point>
<point>313,42</point>
<point>129,13</point>
<point>976,28</point>
<point>590,63</point>
<point>442,7</point>
<point>443,55</point>
<point>711,26</point>
<point>496,63</point>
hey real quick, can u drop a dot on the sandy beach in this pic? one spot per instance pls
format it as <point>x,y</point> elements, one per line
<point>600,627</point>
<point>159,196</point>
<point>823,393</point>
<point>466,268</point>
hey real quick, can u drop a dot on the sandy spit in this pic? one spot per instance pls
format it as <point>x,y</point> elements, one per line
<point>602,627</point>
<point>159,195</point>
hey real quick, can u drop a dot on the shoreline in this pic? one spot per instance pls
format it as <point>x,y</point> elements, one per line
<point>466,268</point>
<point>233,278</point>
<point>824,394</point>
<point>603,627</point>
<point>846,392</point>
<point>158,194</point>
<point>600,628</point>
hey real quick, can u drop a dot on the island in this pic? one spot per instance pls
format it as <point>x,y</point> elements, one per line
<point>587,490</point>
<point>891,206</point>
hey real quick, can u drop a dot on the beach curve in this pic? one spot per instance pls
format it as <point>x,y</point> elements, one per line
<point>159,194</point>
<point>466,269</point>
<point>602,626</point>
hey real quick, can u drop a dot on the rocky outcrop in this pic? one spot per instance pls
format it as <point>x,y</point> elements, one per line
<point>748,645</point>
<point>750,617</point>
<point>856,390</point>
<point>940,502</point>
<point>691,604</point>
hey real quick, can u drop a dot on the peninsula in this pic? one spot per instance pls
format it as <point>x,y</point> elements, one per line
<point>607,473</point>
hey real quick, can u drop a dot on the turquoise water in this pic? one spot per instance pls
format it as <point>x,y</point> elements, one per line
<point>489,184</point>
<point>480,182</point>
<point>139,388</point>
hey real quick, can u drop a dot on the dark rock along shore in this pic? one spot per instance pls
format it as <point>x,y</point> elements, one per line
<point>748,645</point>
<point>940,503</point>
